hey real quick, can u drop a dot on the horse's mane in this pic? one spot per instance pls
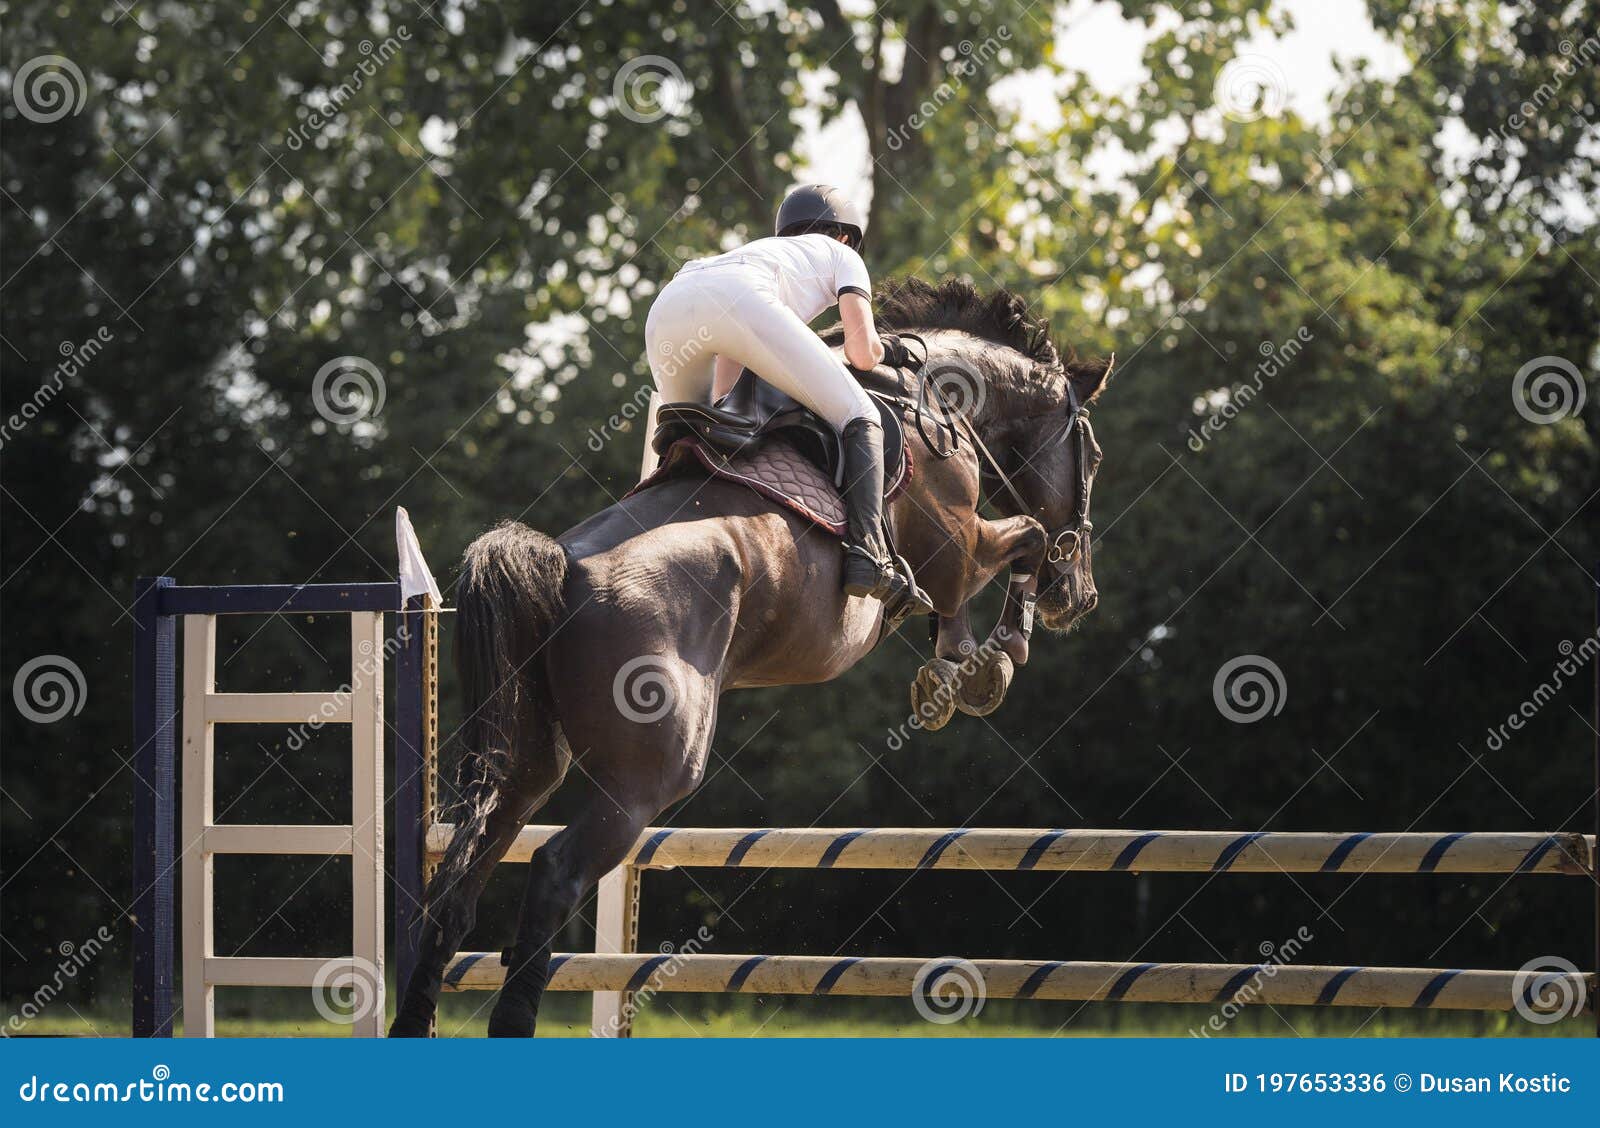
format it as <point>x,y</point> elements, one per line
<point>1002,317</point>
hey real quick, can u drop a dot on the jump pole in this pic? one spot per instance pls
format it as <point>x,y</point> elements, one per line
<point>1086,851</point>
<point>1078,981</point>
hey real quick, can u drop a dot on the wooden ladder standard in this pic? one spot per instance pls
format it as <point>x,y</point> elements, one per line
<point>199,838</point>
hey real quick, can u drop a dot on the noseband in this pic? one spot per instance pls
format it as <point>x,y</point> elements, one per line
<point>1070,539</point>
<point>1074,535</point>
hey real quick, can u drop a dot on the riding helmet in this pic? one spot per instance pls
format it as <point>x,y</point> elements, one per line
<point>812,204</point>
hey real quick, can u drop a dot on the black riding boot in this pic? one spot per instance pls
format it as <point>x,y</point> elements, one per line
<point>869,569</point>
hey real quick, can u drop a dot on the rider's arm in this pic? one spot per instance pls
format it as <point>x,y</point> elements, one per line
<point>861,345</point>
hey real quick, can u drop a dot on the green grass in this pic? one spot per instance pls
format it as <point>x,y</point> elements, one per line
<point>269,1014</point>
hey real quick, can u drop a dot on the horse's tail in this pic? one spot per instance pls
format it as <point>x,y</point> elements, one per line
<point>509,600</point>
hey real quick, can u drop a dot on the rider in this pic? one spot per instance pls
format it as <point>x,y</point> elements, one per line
<point>750,308</point>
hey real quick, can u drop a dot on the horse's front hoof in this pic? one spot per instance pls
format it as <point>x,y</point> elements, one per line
<point>982,691</point>
<point>933,694</point>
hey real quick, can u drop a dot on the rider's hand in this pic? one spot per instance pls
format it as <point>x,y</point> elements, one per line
<point>895,353</point>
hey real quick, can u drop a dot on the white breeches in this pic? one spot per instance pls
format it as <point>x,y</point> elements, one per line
<point>734,312</point>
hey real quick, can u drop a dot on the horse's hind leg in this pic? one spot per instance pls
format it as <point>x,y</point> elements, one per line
<point>451,910</point>
<point>630,773</point>
<point>452,897</point>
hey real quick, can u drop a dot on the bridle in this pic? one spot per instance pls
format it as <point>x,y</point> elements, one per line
<point>1066,542</point>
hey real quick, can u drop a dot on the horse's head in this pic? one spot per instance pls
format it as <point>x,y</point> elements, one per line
<point>993,362</point>
<point>1050,459</point>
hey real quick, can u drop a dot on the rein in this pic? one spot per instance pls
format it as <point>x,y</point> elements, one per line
<point>1064,543</point>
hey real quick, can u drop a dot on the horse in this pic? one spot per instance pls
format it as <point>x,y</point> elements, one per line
<point>607,648</point>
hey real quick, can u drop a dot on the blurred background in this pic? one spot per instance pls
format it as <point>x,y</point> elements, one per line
<point>271,269</point>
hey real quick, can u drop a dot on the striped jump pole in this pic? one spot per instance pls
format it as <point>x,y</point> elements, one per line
<point>1089,851</point>
<point>1215,984</point>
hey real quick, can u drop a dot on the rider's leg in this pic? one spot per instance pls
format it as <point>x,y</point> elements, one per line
<point>868,568</point>
<point>677,340</point>
<point>773,341</point>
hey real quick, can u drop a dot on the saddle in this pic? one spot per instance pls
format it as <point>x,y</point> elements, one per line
<point>762,438</point>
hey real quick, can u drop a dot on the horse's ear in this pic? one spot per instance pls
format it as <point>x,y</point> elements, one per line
<point>1089,377</point>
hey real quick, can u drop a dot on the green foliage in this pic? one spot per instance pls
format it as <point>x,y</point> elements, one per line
<point>455,194</point>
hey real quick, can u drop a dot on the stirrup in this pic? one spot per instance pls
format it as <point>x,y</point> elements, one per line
<point>907,598</point>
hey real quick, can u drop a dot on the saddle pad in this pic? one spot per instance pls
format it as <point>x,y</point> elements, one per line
<point>777,471</point>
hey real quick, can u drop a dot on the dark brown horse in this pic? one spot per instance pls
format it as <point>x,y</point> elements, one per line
<point>608,648</point>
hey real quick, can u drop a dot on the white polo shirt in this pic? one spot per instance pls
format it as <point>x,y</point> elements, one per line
<point>808,272</point>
